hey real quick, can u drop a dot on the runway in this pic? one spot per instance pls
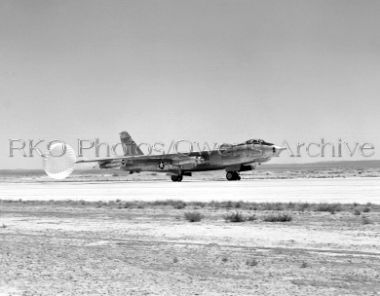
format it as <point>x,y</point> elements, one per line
<point>343,190</point>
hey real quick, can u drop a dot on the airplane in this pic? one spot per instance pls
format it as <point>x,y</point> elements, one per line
<point>231,158</point>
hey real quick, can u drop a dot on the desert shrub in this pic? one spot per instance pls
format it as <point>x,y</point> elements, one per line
<point>179,204</point>
<point>366,209</point>
<point>199,204</point>
<point>273,206</point>
<point>165,202</point>
<point>111,204</point>
<point>357,212</point>
<point>251,217</point>
<point>100,204</point>
<point>140,205</point>
<point>366,220</point>
<point>238,205</point>
<point>303,206</point>
<point>251,262</point>
<point>234,217</point>
<point>228,204</point>
<point>193,216</point>
<point>127,205</point>
<point>327,207</point>
<point>290,205</point>
<point>304,264</point>
<point>278,218</point>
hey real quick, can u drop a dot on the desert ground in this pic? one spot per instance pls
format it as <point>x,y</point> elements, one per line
<point>150,248</point>
<point>263,236</point>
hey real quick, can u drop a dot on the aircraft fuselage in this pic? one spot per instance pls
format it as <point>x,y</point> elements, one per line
<point>233,158</point>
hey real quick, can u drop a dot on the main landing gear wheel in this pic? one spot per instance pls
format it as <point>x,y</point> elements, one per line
<point>176,178</point>
<point>233,176</point>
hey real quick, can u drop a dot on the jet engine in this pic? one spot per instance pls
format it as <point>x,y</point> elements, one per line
<point>189,162</point>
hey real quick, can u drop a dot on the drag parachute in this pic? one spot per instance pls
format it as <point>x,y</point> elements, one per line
<point>60,161</point>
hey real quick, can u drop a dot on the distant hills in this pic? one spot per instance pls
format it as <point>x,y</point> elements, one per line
<point>345,164</point>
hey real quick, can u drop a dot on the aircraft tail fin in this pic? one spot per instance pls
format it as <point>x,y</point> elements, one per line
<point>129,146</point>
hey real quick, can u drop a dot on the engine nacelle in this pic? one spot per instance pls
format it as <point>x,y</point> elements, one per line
<point>189,163</point>
<point>108,164</point>
<point>247,167</point>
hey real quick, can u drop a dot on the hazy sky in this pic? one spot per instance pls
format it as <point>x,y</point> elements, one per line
<point>207,70</point>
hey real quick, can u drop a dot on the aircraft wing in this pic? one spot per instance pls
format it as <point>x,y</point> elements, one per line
<point>108,159</point>
<point>175,160</point>
<point>171,157</point>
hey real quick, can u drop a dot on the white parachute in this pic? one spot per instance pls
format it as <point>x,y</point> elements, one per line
<point>60,161</point>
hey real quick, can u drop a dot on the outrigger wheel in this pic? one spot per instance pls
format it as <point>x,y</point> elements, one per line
<point>232,176</point>
<point>176,178</point>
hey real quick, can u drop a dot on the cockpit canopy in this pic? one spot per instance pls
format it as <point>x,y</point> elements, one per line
<point>258,142</point>
<point>249,142</point>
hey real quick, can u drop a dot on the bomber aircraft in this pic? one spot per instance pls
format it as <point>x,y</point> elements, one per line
<point>231,158</point>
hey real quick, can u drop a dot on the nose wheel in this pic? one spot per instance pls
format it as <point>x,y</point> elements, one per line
<point>176,178</point>
<point>232,176</point>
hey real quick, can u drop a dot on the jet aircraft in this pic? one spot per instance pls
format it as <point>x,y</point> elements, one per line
<point>231,158</point>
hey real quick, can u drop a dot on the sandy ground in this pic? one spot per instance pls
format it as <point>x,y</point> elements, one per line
<point>64,250</point>
<point>345,190</point>
<point>94,249</point>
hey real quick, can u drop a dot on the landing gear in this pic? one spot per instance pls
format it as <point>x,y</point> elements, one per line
<point>232,176</point>
<point>176,178</point>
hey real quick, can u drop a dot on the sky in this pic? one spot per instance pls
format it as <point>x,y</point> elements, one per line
<point>215,70</point>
